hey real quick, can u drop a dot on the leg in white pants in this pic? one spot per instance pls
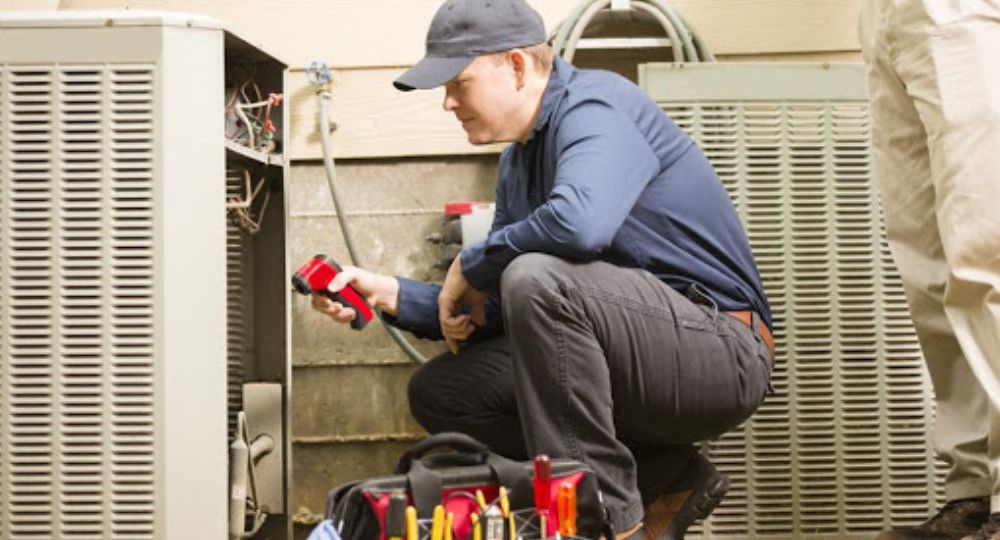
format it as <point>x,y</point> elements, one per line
<point>934,79</point>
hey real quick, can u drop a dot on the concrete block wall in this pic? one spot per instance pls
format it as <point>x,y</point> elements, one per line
<point>351,418</point>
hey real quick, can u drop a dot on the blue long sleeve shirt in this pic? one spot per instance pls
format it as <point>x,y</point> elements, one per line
<point>605,175</point>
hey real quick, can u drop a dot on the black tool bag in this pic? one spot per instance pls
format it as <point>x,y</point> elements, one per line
<point>430,477</point>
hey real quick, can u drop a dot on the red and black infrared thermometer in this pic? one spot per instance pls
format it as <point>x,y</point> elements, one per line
<point>316,275</point>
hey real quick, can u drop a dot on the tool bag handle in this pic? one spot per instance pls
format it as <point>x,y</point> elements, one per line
<point>426,484</point>
<point>467,447</point>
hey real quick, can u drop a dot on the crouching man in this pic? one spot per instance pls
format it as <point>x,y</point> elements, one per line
<point>614,314</point>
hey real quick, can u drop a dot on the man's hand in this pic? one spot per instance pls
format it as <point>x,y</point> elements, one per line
<point>456,294</point>
<point>380,291</point>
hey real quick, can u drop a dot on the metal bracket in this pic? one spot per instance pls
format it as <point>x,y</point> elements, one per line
<point>263,405</point>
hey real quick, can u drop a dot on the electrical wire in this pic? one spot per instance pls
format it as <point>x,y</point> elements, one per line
<point>253,117</point>
<point>240,208</point>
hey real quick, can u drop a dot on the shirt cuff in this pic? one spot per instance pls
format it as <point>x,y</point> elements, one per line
<point>417,309</point>
<point>483,264</point>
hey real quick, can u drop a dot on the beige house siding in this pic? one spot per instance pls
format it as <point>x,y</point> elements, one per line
<point>28,5</point>
<point>375,120</point>
<point>380,33</point>
<point>370,42</point>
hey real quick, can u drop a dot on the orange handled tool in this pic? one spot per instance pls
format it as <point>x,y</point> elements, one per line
<point>566,509</point>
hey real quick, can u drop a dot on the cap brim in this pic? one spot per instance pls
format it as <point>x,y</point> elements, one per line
<point>431,72</point>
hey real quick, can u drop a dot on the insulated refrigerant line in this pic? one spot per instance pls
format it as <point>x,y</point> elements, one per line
<point>319,76</point>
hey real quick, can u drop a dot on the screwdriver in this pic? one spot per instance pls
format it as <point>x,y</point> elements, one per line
<point>543,492</point>
<point>411,524</point>
<point>477,533</point>
<point>395,518</point>
<point>448,525</point>
<point>505,508</point>
<point>566,509</point>
<point>437,525</point>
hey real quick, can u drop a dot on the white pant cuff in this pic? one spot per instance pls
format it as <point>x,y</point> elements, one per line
<point>968,489</point>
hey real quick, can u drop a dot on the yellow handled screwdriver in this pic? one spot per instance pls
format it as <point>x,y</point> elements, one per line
<point>504,501</point>
<point>437,525</point>
<point>412,533</point>
<point>505,508</point>
<point>477,533</point>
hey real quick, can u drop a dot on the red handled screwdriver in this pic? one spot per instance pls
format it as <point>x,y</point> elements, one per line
<point>543,491</point>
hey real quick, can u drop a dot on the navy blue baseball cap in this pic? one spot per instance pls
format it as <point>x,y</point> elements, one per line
<point>464,29</point>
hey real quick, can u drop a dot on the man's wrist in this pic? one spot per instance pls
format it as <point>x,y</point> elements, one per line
<point>388,301</point>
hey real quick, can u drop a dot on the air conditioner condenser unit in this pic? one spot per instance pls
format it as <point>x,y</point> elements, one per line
<point>137,319</point>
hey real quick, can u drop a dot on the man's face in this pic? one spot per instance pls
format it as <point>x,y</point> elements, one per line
<point>484,98</point>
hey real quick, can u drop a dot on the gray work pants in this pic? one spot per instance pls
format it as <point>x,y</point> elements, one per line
<point>602,364</point>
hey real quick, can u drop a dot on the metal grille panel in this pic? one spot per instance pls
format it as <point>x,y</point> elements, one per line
<point>238,303</point>
<point>76,287</point>
<point>842,449</point>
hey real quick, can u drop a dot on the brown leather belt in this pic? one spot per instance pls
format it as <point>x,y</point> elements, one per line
<point>746,317</point>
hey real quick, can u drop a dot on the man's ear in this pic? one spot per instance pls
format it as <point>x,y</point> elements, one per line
<point>519,63</point>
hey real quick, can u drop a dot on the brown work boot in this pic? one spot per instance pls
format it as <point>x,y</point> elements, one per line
<point>955,520</point>
<point>990,530</point>
<point>692,498</point>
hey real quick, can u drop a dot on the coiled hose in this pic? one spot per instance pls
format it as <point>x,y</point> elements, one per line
<point>686,44</point>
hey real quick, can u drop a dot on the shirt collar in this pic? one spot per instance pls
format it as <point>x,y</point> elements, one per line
<point>554,91</point>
